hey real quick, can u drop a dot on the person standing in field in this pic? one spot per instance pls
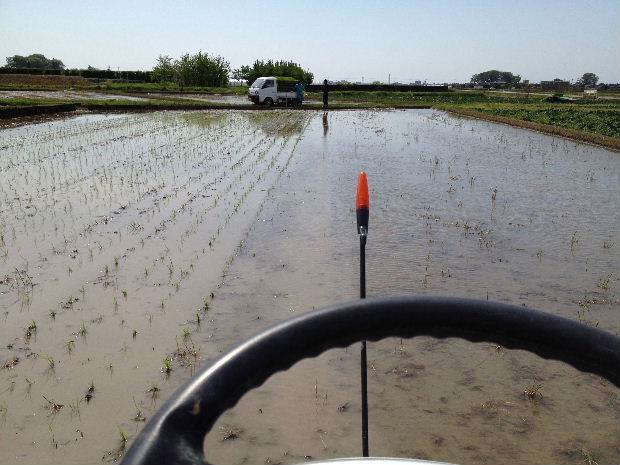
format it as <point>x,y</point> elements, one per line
<point>299,90</point>
<point>325,93</point>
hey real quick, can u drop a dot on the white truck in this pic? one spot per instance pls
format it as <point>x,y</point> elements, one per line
<point>272,90</point>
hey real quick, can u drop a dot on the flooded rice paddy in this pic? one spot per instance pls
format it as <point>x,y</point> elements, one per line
<point>135,249</point>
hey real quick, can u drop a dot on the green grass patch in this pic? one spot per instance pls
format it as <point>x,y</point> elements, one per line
<point>595,120</point>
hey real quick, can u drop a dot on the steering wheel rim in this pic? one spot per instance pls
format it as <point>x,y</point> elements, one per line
<point>175,434</point>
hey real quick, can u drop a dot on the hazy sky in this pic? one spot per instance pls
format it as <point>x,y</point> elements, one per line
<point>437,41</point>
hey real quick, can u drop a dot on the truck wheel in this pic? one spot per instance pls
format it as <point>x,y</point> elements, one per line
<point>268,102</point>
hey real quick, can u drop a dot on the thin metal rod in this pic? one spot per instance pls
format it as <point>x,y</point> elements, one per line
<point>363,358</point>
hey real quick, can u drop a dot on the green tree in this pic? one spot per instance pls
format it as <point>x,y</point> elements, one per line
<point>276,68</point>
<point>589,80</point>
<point>200,69</point>
<point>34,61</point>
<point>163,71</point>
<point>496,77</point>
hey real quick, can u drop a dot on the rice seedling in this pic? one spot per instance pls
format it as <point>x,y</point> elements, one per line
<point>30,330</point>
<point>603,284</point>
<point>83,331</point>
<point>50,361</point>
<point>29,384</point>
<point>153,390</point>
<point>574,240</point>
<point>119,451</point>
<point>3,411</point>
<point>70,345</point>
<point>75,407</point>
<point>588,457</point>
<point>90,392</point>
<point>138,416</point>
<point>167,366</point>
<point>54,406</point>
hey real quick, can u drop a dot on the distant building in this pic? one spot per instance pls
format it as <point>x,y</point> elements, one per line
<point>556,84</point>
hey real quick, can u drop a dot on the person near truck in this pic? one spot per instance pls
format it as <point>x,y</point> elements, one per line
<point>325,93</point>
<point>299,90</point>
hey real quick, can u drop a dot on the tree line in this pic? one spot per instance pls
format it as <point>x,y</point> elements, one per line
<point>495,77</point>
<point>199,69</point>
<point>34,61</point>
<point>203,69</point>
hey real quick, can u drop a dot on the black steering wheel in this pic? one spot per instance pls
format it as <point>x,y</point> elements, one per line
<point>175,434</point>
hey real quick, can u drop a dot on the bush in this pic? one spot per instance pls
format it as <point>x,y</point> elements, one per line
<point>200,69</point>
<point>277,68</point>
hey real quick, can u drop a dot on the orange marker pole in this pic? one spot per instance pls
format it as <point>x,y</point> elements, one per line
<point>362,210</point>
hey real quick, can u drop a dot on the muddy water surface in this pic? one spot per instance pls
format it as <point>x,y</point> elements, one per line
<point>116,230</point>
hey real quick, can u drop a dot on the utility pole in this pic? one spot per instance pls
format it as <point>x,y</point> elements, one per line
<point>389,78</point>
